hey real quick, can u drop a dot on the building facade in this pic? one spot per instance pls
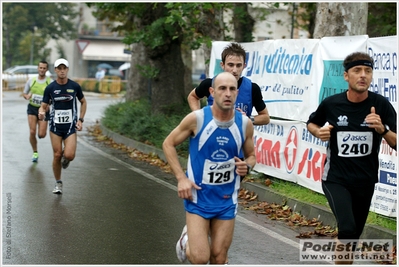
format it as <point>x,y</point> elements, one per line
<point>96,44</point>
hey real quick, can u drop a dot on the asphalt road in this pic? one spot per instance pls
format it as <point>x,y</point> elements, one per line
<point>114,210</point>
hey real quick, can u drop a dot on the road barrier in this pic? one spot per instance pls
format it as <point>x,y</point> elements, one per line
<point>18,82</point>
<point>110,85</point>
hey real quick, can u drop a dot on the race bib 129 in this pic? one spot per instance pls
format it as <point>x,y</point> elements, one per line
<point>217,173</point>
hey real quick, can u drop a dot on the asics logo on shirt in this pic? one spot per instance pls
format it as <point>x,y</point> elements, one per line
<point>217,167</point>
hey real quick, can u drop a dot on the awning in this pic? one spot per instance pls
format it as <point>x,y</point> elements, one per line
<point>105,51</point>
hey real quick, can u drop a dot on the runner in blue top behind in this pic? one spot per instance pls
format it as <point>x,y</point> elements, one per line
<point>249,94</point>
<point>218,134</point>
<point>63,94</point>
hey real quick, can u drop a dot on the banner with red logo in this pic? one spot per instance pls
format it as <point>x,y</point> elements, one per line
<point>287,150</point>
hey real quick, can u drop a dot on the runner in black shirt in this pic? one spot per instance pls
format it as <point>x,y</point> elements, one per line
<point>354,123</point>
<point>63,93</point>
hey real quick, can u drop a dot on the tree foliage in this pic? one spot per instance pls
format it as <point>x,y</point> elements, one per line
<point>159,29</point>
<point>46,20</point>
<point>306,17</point>
<point>154,27</point>
<point>243,23</point>
<point>382,19</point>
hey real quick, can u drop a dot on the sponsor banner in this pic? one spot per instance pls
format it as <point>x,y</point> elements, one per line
<point>294,76</point>
<point>311,160</point>
<point>287,150</point>
<point>330,250</point>
<point>385,194</point>
<point>384,51</point>
<point>285,72</point>
<point>276,148</point>
<point>333,50</point>
<point>384,200</point>
<point>338,47</point>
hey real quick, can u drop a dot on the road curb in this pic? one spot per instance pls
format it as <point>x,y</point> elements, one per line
<point>264,193</point>
<point>120,139</point>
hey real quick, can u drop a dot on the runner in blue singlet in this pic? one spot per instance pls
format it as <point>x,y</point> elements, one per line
<point>218,134</point>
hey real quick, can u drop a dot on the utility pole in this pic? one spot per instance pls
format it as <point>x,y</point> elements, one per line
<point>32,44</point>
<point>293,20</point>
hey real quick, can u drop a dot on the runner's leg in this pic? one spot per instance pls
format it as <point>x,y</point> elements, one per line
<point>70,147</point>
<point>42,128</point>
<point>32,121</point>
<point>198,248</point>
<point>56,142</point>
<point>221,238</point>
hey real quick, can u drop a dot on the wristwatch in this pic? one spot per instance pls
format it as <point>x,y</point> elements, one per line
<point>252,119</point>
<point>81,119</point>
<point>386,130</point>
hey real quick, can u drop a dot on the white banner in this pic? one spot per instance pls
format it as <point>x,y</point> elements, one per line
<point>333,51</point>
<point>295,75</point>
<point>384,51</point>
<point>285,72</point>
<point>286,149</point>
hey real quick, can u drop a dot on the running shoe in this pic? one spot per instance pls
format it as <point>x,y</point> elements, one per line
<point>58,188</point>
<point>64,162</point>
<point>35,157</point>
<point>181,245</point>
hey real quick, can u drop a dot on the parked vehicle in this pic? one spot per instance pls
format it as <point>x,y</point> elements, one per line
<point>17,76</point>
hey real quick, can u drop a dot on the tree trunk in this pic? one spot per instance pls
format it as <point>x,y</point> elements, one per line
<point>8,55</point>
<point>243,23</point>
<point>167,88</point>
<point>138,85</point>
<point>212,26</point>
<point>340,19</point>
<point>187,58</point>
<point>312,19</point>
<point>158,72</point>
